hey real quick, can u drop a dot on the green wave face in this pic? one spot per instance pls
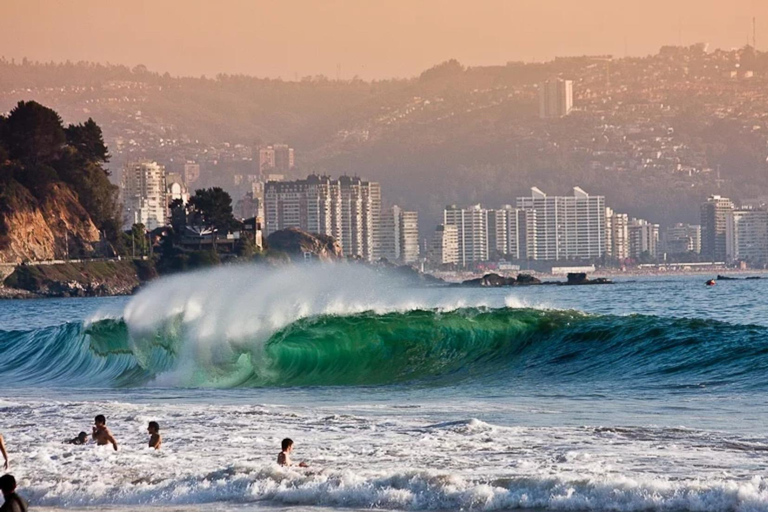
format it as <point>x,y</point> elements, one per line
<point>370,349</point>
<point>488,347</point>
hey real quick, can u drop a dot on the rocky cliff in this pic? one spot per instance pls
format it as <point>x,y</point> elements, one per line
<point>52,228</point>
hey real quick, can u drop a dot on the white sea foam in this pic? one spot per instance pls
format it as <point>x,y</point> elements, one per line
<point>216,453</point>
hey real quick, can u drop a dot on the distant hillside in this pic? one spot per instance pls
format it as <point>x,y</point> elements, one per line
<point>655,135</point>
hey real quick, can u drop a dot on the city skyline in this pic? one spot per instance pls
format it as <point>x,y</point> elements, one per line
<point>205,39</point>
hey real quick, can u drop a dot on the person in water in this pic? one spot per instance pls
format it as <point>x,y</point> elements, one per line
<point>82,438</point>
<point>284,458</point>
<point>13,502</point>
<point>101,433</point>
<point>7,463</point>
<point>154,435</point>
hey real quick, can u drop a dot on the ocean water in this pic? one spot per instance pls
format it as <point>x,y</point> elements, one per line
<point>641,396</point>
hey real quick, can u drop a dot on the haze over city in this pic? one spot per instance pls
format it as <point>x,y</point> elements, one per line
<point>369,39</point>
<point>397,255</point>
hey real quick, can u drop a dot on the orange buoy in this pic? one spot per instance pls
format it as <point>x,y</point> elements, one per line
<point>711,282</point>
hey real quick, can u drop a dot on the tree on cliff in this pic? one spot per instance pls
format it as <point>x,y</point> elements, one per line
<point>37,151</point>
<point>212,207</point>
<point>33,134</point>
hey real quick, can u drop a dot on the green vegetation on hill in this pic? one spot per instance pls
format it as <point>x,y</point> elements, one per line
<point>37,152</point>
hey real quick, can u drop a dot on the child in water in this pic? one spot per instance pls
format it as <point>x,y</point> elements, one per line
<point>82,438</point>
<point>284,458</point>
<point>154,435</point>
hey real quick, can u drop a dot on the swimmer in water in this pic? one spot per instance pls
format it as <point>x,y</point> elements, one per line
<point>154,435</point>
<point>7,463</point>
<point>101,433</point>
<point>284,458</point>
<point>13,502</point>
<point>82,438</point>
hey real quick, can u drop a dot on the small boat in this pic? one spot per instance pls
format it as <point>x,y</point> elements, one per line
<point>711,282</point>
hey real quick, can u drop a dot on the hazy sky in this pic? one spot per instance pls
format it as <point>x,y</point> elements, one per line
<point>368,38</point>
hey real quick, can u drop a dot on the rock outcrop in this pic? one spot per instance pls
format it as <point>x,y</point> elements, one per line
<point>576,278</point>
<point>495,280</point>
<point>490,280</point>
<point>301,245</point>
<point>86,279</point>
<point>33,230</point>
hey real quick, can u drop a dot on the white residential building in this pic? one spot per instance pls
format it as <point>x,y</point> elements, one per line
<point>389,234</point>
<point>444,246</point>
<point>643,239</point>
<point>472,225</point>
<point>399,235</point>
<point>144,195</point>
<point>347,209</point>
<point>714,213</point>
<point>616,235</point>
<point>511,233</point>
<point>746,236</point>
<point>409,236</point>
<point>555,98</point>
<point>567,227</point>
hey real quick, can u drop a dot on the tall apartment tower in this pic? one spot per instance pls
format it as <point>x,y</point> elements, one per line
<point>409,236</point>
<point>566,227</point>
<point>555,98</point>
<point>511,233</point>
<point>144,195</point>
<point>399,235</point>
<point>714,213</point>
<point>346,209</point>
<point>472,226</point>
<point>389,234</point>
<point>746,236</point>
<point>444,246</point>
<point>643,239</point>
<point>616,235</point>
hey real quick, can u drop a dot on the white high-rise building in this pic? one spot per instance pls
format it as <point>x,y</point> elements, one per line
<point>643,239</point>
<point>389,234</point>
<point>472,225</point>
<point>346,209</point>
<point>746,236</point>
<point>399,235</point>
<point>511,233</point>
<point>409,236</point>
<point>714,215</point>
<point>444,246</point>
<point>555,98</point>
<point>144,195</point>
<point>616,235</point>
<point>567,227</point>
